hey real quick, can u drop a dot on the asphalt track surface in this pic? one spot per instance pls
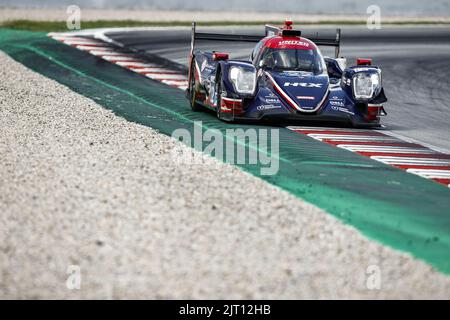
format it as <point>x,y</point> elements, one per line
<point>414,62</point>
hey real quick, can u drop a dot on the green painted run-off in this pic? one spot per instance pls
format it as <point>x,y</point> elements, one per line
<point>401,210</point>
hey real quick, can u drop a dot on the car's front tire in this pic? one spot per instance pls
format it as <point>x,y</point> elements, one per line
<point>192,84</point>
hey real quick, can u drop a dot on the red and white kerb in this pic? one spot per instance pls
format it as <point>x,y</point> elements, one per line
<point>412,157</point>
<point>129,61</point>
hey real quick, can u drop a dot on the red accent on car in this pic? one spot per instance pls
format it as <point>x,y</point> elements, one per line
<point>364,62</point>
<point>220,56</point>
<point>373,112</point>
<point>279,42</point>
<point>230,105</point>
<point>288,24</point>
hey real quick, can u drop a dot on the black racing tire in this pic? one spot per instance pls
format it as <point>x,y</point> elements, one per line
<point>220,115</point>
<point>219,96</point>
<point>194,105</point>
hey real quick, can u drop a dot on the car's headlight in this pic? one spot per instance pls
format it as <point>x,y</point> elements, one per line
<point>244,81</point>
<point>366,85</point>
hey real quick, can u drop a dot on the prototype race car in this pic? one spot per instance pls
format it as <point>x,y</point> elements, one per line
<point>286,77</point>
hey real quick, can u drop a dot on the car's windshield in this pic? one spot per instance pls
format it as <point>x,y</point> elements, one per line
<point>293,59</point>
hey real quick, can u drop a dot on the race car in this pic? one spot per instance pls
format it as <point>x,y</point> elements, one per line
<point>286,77</point>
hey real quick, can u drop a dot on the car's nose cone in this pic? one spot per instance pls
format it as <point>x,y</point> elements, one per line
<point>305,90</point>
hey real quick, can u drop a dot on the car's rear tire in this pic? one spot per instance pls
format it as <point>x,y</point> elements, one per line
<point>194,105</point>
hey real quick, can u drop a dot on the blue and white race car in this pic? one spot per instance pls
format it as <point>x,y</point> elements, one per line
<point>286,77</point>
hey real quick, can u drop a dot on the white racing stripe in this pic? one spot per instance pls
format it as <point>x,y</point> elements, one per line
<point>65,38</point>
<point>121,58</point>
<point>108,53</point>
<point>411,161</point>
<point>82,42</point>
<point>374,148</point>
<point>135,65</point>
<point>166,76</point>
<point>430,173</point>
<point>296,128</point>
<point>175,83</point>
<point>155,69</point>
<point>96,48</point>
<point>336,137</point>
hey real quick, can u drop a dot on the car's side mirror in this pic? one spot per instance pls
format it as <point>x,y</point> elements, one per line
<point>262,63</point>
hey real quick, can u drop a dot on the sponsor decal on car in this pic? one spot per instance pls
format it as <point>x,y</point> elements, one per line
<point>293,43</point>
<point>303,84</point>
<point>267,107</point>
<point>361,69</point>
<point>272,99</point>
<point>204,63</point>
<point>337,103</point>
<point>305,97</point>
<point>341,109</point>
<point>297,74</point>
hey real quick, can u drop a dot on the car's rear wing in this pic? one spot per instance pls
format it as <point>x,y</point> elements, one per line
<point>330,42</point>
<point>269,30</point>
<point>220,37</point>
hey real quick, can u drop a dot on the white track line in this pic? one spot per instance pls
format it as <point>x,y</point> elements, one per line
<point>411,161</point>
<point>96,48</point>
<point>350,137</point>
<point>430,173</point>
<point>83,43</point>
<point>167,77</point>
<point>108,53</point>
<point>135,65</point>
<point>297,128</point>
<point>62,39</point>
<point>155,70</point>
<point>373,148</point>
<point>122,58</point>
<point>179,84</point>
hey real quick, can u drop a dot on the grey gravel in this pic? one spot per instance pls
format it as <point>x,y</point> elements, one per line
<point>81,186</point>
